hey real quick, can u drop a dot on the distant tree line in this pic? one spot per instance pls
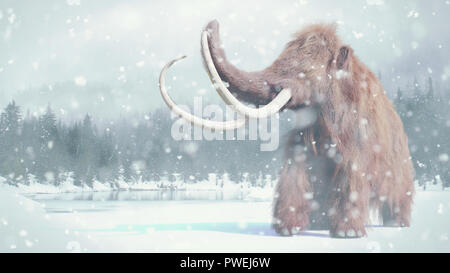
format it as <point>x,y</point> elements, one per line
<point>141,147</point>
<point>135,148</point>
<point>426,117</point>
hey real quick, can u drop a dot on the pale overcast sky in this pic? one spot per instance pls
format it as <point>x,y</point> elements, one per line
<point>123,44</point>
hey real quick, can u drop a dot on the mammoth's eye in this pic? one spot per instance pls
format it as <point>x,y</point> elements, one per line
<point>276,88</point>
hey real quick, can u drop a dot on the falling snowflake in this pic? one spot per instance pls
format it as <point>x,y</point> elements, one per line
<point>80,80</point>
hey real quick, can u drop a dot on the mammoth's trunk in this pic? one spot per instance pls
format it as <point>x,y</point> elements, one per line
<point>248,86</point>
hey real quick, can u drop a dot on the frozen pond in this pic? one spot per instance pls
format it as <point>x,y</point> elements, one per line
<point>150,195</point>
<point>122,200</point>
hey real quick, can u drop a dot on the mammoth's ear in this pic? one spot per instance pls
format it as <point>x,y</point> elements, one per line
<point>344,57</point>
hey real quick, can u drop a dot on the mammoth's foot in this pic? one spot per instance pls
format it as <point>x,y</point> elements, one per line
<point>348,231</point>
<point>289,227</point>
<point>288,222</point>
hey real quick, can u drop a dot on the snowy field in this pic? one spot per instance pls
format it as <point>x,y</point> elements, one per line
<point>137,223</point>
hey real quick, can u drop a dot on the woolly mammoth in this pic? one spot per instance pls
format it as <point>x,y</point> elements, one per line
<point>353,158</point>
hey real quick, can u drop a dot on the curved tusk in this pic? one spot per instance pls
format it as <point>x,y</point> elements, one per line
<point>272,108</point>
<point>204,123</point>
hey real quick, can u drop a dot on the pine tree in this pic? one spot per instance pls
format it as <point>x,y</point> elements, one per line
<point>49,156</point>
<point>430,93</point>
<point>10,120</point>
<point>47,124</point>
<point>120,182</point>
<point>11,145</point>
<point>416,88</point>
<point>399,95</point>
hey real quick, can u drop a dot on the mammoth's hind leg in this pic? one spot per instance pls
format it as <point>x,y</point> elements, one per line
<point>291,206</point>
<point>395,201</point>
<point>399,213</point>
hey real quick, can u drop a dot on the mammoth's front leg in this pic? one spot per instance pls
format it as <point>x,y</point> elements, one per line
<point>349,210</point>
<point>291,207</point>
<point>291,203</point>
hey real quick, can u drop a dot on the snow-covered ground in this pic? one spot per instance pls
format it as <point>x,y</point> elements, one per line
<point>140,225</point>
<point>26,227</point>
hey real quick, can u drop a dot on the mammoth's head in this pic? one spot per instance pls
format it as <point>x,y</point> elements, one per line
<point>311,66</point>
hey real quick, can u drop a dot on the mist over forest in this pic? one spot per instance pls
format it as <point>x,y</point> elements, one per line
<point>43,148</point>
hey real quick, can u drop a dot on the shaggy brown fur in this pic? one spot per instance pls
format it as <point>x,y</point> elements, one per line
<point>354,157</point>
